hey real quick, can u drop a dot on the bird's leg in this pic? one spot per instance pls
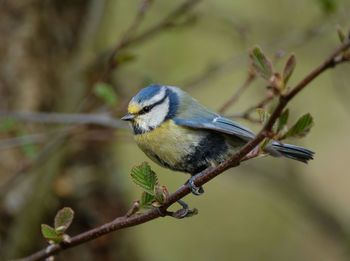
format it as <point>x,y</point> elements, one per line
<point>185,208</point>
<point>194,189</point>
<point>178,214</point>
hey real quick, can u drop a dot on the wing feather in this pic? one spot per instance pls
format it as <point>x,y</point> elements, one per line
<point>216,123</point>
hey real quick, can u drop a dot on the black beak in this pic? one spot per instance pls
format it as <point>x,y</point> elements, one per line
<point>128,117</point>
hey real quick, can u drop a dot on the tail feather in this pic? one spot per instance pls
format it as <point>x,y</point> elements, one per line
<point>293,152</point>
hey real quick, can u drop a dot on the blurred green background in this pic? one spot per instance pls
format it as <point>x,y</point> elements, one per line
<point>266,209</point>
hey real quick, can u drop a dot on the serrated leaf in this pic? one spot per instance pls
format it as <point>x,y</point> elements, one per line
<point>50,233</point>
<point>63,219</point>
<point>146,200</point>
<point>106,93</point>
<point>260,63</point>
<point>301,127</point>
<point>144,177</point>
<point>340,34</point>
<point>283,119</point>
<point>289,68</point>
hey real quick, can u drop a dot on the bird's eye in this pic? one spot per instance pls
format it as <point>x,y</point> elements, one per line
<point>147,109</point>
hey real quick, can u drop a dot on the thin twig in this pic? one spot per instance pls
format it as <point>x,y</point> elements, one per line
<point>167,22</point>
<point>247,112</point>
<point>125,39</point>
<point>23,140</point>
<point>207,175</point>
<point>102,119</point>
<point>231,64</point>
<point>250,78</point>
<point>246,115</point>
<point>40,157</point>
<point>128,39</point>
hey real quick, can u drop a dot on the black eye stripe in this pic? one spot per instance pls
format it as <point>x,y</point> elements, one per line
<point>150,107</point>
<point>146,109</point>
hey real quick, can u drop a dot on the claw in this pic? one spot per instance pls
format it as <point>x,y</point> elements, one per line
<point>181,213</point>
<point>194,189</point>
<point>185,208</point>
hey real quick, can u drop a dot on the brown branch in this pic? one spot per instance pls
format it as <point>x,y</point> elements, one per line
<point>207,175</point>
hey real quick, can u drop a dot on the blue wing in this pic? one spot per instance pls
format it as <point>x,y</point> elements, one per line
<point>216,123</point>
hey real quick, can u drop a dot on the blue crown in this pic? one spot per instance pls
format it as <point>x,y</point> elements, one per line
<point>147,93</point>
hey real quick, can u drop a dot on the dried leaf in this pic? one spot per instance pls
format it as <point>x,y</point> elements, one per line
<point>277,83</point>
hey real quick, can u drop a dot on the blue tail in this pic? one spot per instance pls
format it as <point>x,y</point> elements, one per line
<point>293,152</point>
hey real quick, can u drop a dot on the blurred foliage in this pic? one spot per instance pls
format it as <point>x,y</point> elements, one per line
<point>54,57</point>
<point>106,93</point>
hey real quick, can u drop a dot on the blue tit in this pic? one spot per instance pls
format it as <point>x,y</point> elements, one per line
<point>178,133</point>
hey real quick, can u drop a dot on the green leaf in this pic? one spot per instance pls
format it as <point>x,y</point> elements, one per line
<point>8,124</point>
<point>146,200</point>
<point>63,219</point>
<point>264,143</point>
<point>30,150</point>
<point>264,116</point>
<point>301,127</point>
<point>260,64</point>
<point>50,233</point>
<point>160,193</point>
<point>125,57</point>
<point>283,119</point>
<point>192,212</point>
<point>341,33</point>
<point>106,93</point>
<point>144,177</point>
<point>289,68</point>
<point>329,6</point>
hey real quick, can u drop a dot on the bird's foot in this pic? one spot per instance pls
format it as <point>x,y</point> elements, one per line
<point>194,189</point>
<point>181,213</point>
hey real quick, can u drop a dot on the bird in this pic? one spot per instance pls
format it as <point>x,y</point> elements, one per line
<point>174,130</point>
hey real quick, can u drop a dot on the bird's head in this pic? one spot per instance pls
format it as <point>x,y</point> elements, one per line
<point>152,106</point>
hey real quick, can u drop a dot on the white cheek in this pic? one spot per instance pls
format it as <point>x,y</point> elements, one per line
<point>155,117</point>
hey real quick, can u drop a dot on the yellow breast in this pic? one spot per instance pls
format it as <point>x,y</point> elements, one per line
<point>169,142</point>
